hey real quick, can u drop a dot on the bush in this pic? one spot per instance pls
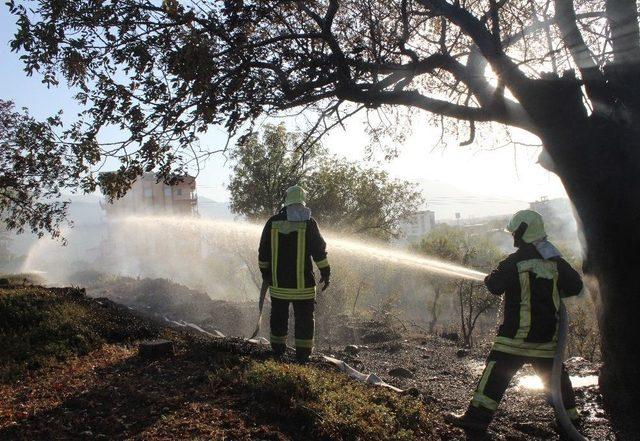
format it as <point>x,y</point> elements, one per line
<point>41,326</point>
<point>327,405</point>
<point>584,337</point>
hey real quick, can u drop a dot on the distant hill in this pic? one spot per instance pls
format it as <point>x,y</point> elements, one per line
<point>446,200</point>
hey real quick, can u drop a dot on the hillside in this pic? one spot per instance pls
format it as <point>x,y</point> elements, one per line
<point>71,370</point>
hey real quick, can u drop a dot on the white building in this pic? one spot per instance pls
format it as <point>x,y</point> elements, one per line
<point>148,195</point>
<point>417,225</point>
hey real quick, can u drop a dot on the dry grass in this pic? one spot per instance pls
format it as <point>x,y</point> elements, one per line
<point>321,404</point>
<point>70,372</point>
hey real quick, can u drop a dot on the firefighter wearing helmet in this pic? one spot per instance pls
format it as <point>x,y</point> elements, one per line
<point>290,241</point>
<point>533,280</point>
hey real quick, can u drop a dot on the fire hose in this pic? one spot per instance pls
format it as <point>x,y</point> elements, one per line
<point>556,379</point>
<point>263,293</point>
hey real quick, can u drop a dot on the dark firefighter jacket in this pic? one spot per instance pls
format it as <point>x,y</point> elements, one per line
<point>532,288</point>
<point>285,253</point>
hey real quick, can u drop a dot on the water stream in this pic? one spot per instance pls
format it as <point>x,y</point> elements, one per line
<point>334,241</point>
<point>166,246</point>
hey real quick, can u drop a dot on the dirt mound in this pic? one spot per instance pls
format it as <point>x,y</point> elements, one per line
<point>41,326</point>
<point>162,298</point>
<point>347,329</point>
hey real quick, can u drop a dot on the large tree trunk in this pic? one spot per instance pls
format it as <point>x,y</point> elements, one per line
<point>610,218</point>
<point>597,157</point>
<point>598,160</point>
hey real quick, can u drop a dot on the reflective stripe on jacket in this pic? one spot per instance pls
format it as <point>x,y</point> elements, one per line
<point>285,254</point>
<point>532,288</point>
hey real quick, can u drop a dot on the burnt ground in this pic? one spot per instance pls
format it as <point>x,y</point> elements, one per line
<point>446,375</point>
<point>207,388</point>
<point>442,373</point>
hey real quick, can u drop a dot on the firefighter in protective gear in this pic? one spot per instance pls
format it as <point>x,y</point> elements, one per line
<point>533,280</point>
<point>289,242</point>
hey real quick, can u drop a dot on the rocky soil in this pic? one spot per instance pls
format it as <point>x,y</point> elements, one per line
<point>445,374</point>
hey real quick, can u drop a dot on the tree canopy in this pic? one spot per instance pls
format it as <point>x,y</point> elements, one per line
<point>264,166</point>
<point>164,72</point>
<point>346,196</point>
<point>33,169</point>
<point>171,69</point>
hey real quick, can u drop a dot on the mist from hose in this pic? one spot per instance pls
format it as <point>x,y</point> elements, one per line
<point>182,249</point>
<point>335,242</point>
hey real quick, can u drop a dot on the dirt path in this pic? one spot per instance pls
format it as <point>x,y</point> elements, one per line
<point>448,376</point>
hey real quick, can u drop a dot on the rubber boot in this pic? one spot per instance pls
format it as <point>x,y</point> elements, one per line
<point>475,419</point>
<point>302,355</point>
<point>278,350</point>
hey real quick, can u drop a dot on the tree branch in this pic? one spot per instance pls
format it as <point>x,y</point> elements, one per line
<point>543,24</point>
<point>405,34</point>
<point>472,77</point>
<point>489,46</point>
<point>415,99</point>
<point>567,23</point>
<point>622,17</point>
<point>595,84</point>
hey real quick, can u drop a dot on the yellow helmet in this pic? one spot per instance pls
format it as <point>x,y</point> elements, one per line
<point>295,195</point>
<point>535,225</point>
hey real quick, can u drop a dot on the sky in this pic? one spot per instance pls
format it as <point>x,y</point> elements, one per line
<point>475,180</point>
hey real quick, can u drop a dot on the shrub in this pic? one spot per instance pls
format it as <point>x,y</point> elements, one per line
<point>41,326</point>
<point>327,405</point>
<point>584,338</point>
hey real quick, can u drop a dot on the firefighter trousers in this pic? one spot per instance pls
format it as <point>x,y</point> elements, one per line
<point>304,325</point>
<point>500,369</point>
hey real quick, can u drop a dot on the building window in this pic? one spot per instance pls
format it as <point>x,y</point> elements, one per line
<point>167,191</point>
<point>179,191</point>
<point>148,192</point>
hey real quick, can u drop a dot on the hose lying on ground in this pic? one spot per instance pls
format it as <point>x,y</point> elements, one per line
<point>556,379</point>
<point>359,376</point>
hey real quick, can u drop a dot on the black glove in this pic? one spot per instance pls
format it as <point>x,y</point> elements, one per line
<point>325,275</point>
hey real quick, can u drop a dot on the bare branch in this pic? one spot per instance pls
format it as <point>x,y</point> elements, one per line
<point>567,22</point>
<point>489,46</point>
<point>625,35</point>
